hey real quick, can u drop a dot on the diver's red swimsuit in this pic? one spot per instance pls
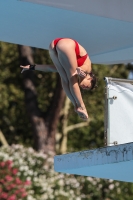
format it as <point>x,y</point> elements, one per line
<point>80,59</point>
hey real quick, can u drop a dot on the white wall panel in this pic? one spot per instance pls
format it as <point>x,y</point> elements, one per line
<point>120,113</point>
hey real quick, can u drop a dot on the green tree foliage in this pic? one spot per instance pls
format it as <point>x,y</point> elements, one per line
<point>12,110</point>
<point>14,121</point>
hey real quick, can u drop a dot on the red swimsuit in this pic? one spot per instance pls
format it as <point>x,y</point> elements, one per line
<point>80,59</point>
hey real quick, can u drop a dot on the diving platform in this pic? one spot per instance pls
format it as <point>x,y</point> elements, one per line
<point>111,162</point>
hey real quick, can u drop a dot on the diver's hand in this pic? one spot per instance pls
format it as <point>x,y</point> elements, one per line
<point>79,72</point>
<point>82,112</point>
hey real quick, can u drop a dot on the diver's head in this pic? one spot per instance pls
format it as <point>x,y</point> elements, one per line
<point>88,82</point>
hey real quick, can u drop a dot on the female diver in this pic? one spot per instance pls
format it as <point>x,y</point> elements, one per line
<point>72,63</point>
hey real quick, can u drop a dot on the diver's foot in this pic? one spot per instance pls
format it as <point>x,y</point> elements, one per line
<point>27,67</point>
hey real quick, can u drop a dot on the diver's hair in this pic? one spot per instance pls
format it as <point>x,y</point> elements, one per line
<point>93,81</point>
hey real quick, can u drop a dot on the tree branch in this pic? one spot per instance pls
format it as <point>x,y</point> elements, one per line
<point>3,139</point>
<point>79,125</point>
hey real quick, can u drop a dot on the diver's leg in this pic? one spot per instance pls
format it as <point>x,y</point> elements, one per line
<point>61,71</point>
<point>67,57</point>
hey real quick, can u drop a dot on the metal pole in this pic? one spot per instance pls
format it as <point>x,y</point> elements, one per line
<point>107,79</point>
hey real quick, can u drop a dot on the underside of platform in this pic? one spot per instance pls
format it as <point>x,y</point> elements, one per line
<point>104,28</point>
<point>114,162</point>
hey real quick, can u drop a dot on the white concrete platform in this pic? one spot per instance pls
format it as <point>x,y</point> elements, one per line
<point>112,162</point>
